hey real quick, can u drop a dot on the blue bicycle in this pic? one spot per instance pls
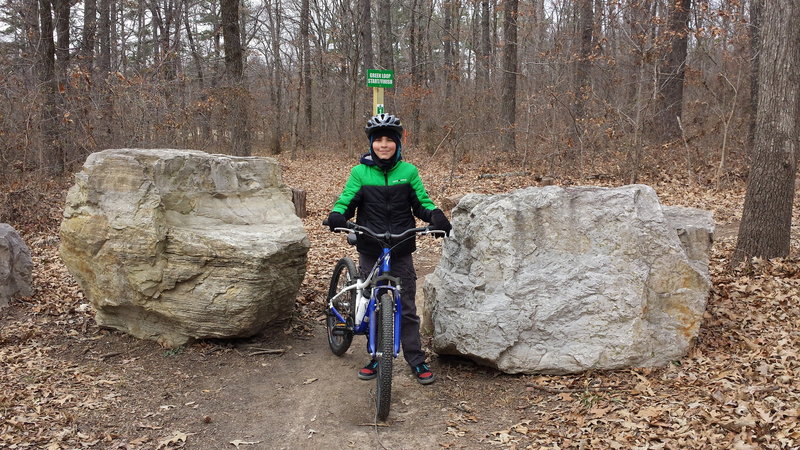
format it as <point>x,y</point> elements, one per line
<point>369,306</point>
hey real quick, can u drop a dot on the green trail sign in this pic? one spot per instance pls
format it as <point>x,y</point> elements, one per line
<point>380,78</point>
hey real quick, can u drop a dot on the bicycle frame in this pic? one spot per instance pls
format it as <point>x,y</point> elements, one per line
<point>379,281</point>
<point>367,307</point>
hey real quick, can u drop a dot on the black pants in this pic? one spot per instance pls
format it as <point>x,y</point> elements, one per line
<point>403,268</point>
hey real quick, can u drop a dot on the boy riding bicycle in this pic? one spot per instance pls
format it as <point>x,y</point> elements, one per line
<point>387,193</point>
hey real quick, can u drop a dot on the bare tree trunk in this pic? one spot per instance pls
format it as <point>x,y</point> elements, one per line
<point>484,56</point>
<point>495,40</point>
<point>508,110</point>
<point>161,34</point>
<point>755,31</point>
<point>385,36</point>
<point>30,14</point>
<point>765,229</point>
<point>89,35</point>
<point>204,135</point>
<point>366,35</point>
<point>141,50</point>
<point>113,14</point>
<point>218,72</point>
<point>106,120</point>
<point>234,68</point>
<point>305,19</point>
<point>583,82</point>
<point>198,62</point>
<point>87,66</point>
<point>31,55</point>
<point>416,78</point>
<point>277,70</point>
<point>61,14</point>
<point>447,45</point>
<point>456,58</point>
<point>51,155</point>
<point>583,72</point>
<point>673,70</point>
<point>428,74</point>
<point>599,20</point>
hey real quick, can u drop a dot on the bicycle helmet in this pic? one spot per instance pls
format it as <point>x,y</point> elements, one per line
<point>383,122</point>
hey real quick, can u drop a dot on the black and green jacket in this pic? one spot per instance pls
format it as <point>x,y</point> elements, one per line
<point>385,201</point>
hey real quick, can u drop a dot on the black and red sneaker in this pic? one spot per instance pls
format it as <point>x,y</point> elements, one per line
<point>369,371</point>
<point>423,373</point>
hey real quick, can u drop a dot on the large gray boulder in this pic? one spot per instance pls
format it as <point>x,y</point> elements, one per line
<point>555,280</point>
<point>175,245</point>
<point>16,266</point>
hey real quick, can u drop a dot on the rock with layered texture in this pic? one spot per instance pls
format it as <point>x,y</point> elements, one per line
<point>555,280</point>
<point>16,266</point>
<point>175,245</point>
<point>695,228</point>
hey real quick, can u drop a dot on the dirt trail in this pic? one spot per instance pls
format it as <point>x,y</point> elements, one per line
<point>217,394</point>
<point>309,398</point>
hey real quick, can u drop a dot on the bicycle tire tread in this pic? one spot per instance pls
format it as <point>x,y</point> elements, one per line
<point>339,344</point>
<point>386,347</point>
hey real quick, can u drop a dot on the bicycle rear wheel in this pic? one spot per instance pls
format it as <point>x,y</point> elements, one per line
<point>386,348</point>
<point>340,335</point>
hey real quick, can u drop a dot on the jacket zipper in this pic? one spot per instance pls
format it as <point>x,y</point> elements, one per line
<point>388,209</point>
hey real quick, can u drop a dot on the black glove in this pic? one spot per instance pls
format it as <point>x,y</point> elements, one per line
<point>439,222</point>
<point>336,220</point>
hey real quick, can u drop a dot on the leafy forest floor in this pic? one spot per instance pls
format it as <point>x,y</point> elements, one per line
<point>68,384</point>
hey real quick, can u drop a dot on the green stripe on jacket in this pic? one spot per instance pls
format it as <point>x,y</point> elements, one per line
<point>364,175</point>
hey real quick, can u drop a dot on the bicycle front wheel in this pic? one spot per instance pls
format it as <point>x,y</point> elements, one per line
<point>386,348</point>
<point>340,335</point>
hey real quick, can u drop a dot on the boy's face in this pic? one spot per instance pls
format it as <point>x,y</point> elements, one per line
<point>384,147</point>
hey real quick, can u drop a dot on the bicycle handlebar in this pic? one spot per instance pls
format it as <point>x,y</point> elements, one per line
<point>361,229</point>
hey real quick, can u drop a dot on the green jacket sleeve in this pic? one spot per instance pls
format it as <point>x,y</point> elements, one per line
<point>424,205</point>
<point>344,205</point>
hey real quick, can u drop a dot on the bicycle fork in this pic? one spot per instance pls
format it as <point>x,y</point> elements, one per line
<point>372,313</point>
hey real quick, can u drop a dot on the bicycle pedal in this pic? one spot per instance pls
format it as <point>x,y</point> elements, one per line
<point>340,330</point>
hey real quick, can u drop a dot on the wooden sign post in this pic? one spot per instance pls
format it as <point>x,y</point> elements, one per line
<point>378,80</point>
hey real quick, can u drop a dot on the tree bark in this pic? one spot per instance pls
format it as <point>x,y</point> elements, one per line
<point>31,55</point>
<point>89,35</point>
<point>484,56</point>
<point>583,70</point>
<point>766,220</point>
<point>305,20</point>
<point>673,70</point>
<point>106,120</point>
<point>234,68</point>
<point>141,54</point>
<point>51,153</point>
<point>277,71</point>
<point>61,13</point>
<point>104,38</point>
<point>30,13</point>
<point>366,35</point>
<point>113,36</point>
<point>198,61</point>
<point>385,35</point>
<point>204,133</point>
<point>508,110</point>
<point>447,46</point>
<point>416,77</point>
<point>755,31</point>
